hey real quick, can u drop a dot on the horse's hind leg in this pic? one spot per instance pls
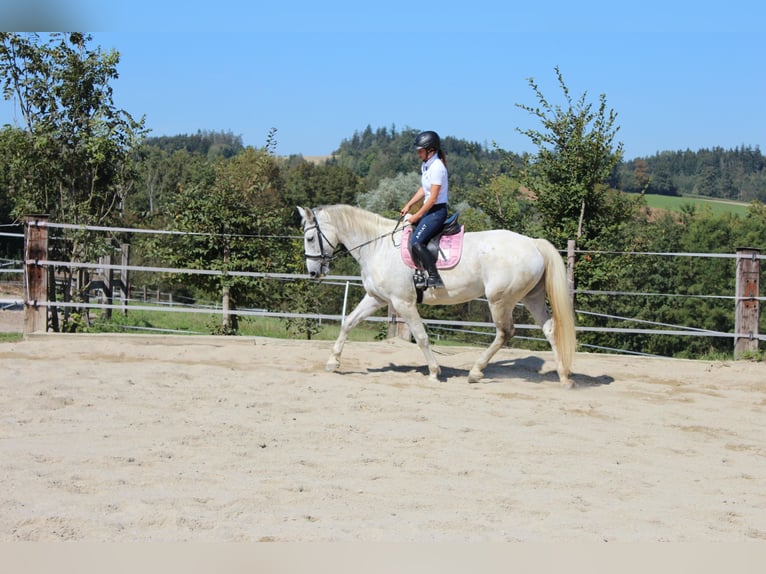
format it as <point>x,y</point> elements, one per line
<point>535,304</point>
<point>366,307</point>
<point>502,315</point>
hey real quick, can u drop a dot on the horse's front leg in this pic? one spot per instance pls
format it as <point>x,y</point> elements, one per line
<point>409,313</point>
<point>366,307</point>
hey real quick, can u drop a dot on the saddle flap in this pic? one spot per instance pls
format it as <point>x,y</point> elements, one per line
<point>447,251</point>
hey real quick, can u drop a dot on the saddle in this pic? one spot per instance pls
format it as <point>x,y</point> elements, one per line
<point>446,246</point>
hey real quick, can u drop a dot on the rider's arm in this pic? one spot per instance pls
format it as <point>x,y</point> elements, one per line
<point>417,196</point>
<point>427,205</point>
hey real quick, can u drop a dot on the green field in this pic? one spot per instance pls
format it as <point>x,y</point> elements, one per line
<point>161,322</point>
<point>718,207</point>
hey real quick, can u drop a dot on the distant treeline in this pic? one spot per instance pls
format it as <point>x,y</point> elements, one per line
<point>374,155</point>
<point>210,144</point>
<point>736,174</point>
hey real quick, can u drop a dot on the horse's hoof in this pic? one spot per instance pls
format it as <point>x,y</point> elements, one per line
<point>332,366</point>
<point>568,384</point>
<point>475,376</point>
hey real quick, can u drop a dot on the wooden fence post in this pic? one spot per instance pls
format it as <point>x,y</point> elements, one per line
<point>396,327</point>
<point>124,277</point>
<point>107,287</point>
<point>35,275</point>
<point>747,307</point>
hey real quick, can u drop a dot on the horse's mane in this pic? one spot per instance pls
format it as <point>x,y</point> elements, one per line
<point>358,219</point>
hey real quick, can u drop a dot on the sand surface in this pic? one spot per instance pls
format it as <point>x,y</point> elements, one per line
<point>153,438</point>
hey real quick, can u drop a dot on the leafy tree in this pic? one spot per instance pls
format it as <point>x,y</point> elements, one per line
<point>307,184</point>
<point>390,194</point>
<point>752,230</point>
<point>166,162</point>
<point>10,247</point>
<point>576,154</point>
<point>235,223</point>
<point>72,157</point>
<point>302,296</point>
<point>159,175</point>
<point>661,183</point>
<point>504,204</point>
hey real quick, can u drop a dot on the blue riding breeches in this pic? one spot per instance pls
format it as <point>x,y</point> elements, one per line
<point>429,225</point>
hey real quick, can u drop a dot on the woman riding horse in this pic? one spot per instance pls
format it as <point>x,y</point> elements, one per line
<point>434,191</point>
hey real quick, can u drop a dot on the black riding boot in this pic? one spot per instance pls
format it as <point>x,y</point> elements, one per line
<point>428,262</point>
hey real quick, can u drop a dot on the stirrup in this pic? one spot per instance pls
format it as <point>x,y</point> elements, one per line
<point>435,281</point>
<point>419,279</point>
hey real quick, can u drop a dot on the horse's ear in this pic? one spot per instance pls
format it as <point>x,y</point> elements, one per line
<point>304,213</point>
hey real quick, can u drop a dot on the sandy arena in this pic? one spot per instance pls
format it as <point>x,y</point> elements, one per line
<point>153,438</point>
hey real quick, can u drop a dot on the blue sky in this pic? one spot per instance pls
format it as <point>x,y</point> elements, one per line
<point>679,75</point>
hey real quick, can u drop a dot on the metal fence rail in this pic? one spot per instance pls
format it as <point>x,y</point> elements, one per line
<point>648,328</point>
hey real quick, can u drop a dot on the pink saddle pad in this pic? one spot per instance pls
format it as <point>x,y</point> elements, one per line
<point>450,249</point>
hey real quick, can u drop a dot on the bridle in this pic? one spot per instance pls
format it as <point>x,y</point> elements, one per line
<point>323,258</point>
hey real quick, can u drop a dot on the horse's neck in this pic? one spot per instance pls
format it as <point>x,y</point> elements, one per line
<point>358,229</point>
<point>354,241</point>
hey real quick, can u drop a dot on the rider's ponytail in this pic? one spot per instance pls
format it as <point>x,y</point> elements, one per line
<point>442,156</point>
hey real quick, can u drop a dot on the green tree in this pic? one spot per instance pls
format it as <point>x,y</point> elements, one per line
<point>159,175</point>
<point>390,194</point>
<point>307,184</point>
<point>72,157</point>
<point>164,163</point>
<point>576,155</point>
<point>505,205</point>
<point>234,223</point>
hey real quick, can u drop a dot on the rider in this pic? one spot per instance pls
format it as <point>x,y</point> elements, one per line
<point>434,190</point>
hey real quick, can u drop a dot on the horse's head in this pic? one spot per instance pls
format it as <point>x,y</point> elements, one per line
<point>318,247</point>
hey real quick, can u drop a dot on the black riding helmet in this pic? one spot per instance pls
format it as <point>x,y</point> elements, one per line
<point>428,140</point>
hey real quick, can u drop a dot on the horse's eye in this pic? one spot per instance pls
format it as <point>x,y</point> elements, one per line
<point>310,238</point>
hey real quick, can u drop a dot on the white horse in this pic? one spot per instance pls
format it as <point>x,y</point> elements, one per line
<point>503,266</point>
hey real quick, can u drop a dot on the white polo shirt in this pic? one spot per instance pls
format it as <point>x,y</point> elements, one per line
<point>435,173</point>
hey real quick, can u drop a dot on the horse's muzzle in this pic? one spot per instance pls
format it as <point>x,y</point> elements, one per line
<point>318,274</point>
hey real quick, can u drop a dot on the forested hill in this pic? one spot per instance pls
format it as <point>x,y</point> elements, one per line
<point>385,153</point>
<point>377,154</point>
<point>737,174</point>
<point>210,144</point>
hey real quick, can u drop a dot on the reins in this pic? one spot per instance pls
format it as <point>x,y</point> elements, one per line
<point>396,228</point>
<point>324,258</point>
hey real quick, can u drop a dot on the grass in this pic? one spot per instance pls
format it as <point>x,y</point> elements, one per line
<point>718,207</point>
<point>10,337</point>
<point>209,323</point>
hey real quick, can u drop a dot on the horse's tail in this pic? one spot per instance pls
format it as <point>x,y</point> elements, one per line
<point>557,288</point>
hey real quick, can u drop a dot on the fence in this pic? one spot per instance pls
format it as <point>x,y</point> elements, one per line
<point>747,297</point>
